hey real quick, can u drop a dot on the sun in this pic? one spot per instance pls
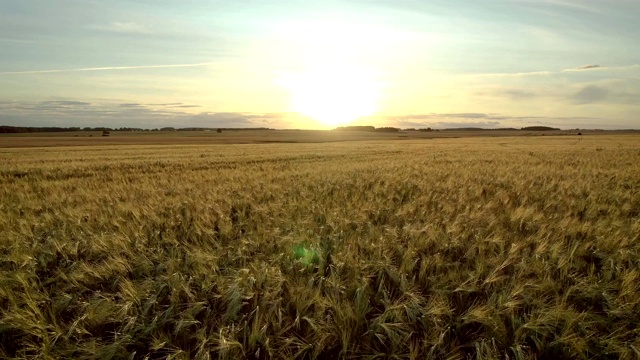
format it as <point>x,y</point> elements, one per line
<point>333,94</point>
<point>328,71</point>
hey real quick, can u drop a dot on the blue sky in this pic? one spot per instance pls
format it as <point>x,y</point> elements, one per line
<point>290,64</point>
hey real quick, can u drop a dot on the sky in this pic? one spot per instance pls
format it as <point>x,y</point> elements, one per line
<point>321,64</point>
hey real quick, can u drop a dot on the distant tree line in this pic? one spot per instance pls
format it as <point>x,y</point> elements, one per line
<point>4,129</point>
<point>24,129</point>
<point>20,129</point>
<point>356,128</point>
<point>367,128</point>
<point>539,128</point>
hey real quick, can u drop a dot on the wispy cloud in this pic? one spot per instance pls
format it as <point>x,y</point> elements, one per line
<point>492,121</point>
<point>15,40</point>
<point>550,72</point>
<point>590,94</point>
<point>130,114</point>
<point>613,92</point>
<point>124,28</point>
<point>516,74</point>
<point>442,116</point>
<point>587,68</point>
<point>449,124</point>
<point>66,103</point>
<point>445,120</point>
<point>106,68</point>
<point>567,4</point>
<point>514,94</point>
<point>600,67</point>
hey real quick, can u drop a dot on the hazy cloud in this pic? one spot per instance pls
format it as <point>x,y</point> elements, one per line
<point>498,121</point>
<point>69,103</point>
<point>602,68</point>
<point>124,27</point>
<point>105,68</point>
<point>447,124</point>
<point>16,41</point>
<point>81,114</point>
<point>590,94</point>
<point>580,5</point>
<point>549,72</point>
<point>181,105</point>
<point>586,67</point>
<point>445,120</point>
<point>516,94</point>
<point>441,116</point>
<point>517,74</point>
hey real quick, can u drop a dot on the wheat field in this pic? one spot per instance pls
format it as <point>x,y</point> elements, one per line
<point>478,248</point>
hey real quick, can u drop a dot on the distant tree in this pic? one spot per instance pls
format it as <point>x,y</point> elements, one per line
<point>387,129</point>
<point>539,128</point>
<point>219,130</point>
<point>356,128</point>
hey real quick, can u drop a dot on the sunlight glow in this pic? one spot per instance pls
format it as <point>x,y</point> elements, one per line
<point>333,94</point>
<point>333,78</point>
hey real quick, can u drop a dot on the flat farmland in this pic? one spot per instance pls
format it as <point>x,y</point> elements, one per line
<point>95,138</point>
<point>519,247</point>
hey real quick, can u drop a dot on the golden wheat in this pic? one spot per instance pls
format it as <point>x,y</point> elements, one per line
<point>446,248</point>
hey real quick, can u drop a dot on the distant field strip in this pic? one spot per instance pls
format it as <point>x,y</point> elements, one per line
<point>518,247</point>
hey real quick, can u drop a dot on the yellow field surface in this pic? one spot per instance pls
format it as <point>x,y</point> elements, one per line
<point>95,138</point>
<point>518,247</point>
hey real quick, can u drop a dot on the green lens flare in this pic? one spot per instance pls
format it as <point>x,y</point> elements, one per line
<point>305,255</point>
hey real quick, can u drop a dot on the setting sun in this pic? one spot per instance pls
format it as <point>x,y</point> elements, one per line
<point>331,70</point>
<point>333,94</point>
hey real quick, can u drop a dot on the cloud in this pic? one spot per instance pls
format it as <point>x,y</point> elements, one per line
<point>576,5</point>
<point>517,74</point>
<point>16,41</point>
<point>590,94</point>
<point>165,105</point>
<point>518,94</point>
<point>175,105</point>
<point>66,103</point>
<point>492,121</point>
<point>124,28</point>
<point>601,68</point>
<point>586,67</point>
<point>112,114</point>
<point>450,124</point>
<point>445,120</point>
<point>441,116</point>
<point>513,94</point>
<point>549,72</point>
<point>107,68</point>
